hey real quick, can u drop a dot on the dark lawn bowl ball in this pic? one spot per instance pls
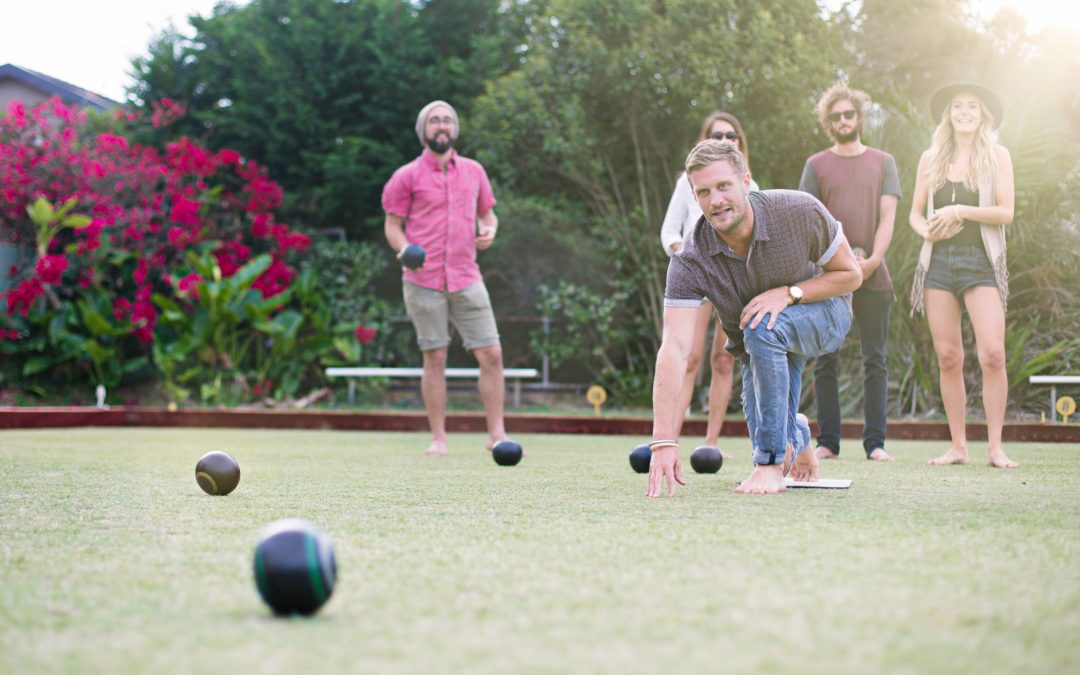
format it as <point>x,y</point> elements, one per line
<point>706,459</point>
<point>413,256</point>
<point>640,457</point>
<point>295,567</point>
<point>217,473</point>
<point>507,453</point>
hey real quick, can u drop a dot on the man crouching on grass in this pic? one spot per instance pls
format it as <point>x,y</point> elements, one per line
<point>776,265</point>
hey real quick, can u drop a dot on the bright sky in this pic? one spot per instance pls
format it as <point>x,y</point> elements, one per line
<point>1039,13</point>
<point>90,43</point>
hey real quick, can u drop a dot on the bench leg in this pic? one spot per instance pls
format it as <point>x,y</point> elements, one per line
<point>1053,403</point>
<point>517,393</point>
<point>352,391</point>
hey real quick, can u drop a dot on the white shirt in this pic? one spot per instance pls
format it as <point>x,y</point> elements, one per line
<point>682,212</point>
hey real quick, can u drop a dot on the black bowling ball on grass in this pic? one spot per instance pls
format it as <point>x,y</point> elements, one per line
<point>507,452</point>
<point>706,459</point>
<point>295,569</point>
<point>640,458</point>
<point>217,473</point>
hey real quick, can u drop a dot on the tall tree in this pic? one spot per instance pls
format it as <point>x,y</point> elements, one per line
<point>324,92</point>
<point>602,113</point>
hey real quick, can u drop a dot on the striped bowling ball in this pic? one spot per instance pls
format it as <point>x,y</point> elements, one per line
<point>295,567</point>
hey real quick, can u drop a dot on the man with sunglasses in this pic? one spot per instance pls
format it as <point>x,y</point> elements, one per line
<point>860,187</point>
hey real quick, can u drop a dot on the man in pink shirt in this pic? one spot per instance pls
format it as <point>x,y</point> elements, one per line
<point>443,203</point>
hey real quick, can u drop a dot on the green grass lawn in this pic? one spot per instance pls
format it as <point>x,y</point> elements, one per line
<point>112,559</point>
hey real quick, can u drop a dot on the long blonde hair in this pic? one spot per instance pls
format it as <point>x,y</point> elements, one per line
<point>943,147</point>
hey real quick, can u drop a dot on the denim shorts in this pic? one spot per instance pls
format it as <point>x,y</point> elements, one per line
<point>957,268</point>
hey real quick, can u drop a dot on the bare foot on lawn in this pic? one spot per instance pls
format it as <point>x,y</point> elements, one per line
<point>997,458</point>
<point>879,455</point>
<point>436,449</point>
<point>712,443</point>
<point>763,480</point>
<point>953,456</point>
<point>805,467</point>
<point>824,453</point>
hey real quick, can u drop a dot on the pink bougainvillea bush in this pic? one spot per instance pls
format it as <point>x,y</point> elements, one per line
<point>130,246</point>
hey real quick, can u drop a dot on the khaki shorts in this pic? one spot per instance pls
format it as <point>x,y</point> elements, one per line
<point>469,309</point>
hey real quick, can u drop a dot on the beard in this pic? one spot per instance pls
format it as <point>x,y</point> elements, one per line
<point>440,144</point>
<point>849,137</point>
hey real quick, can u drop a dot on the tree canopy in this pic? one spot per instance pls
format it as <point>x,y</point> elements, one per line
<point>583,110</point>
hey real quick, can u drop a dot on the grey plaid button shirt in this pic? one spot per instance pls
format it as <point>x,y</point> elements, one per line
<point>794,235</point>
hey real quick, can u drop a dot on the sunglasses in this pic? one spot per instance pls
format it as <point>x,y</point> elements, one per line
<point>847,114</point>
<point>721,135</point>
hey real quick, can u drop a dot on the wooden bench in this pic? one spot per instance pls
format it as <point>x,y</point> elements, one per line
<point>514,374</point>
<point>1054,381</point>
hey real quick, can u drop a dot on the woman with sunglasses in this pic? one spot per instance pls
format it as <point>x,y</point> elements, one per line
<point>682,213</point>
<point>963,200</point>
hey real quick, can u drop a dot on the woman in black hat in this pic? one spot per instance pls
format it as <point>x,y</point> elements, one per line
<point>963,200</point>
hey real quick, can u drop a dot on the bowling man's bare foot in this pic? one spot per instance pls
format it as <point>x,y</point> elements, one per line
<point>804,466</point>
<point>436,449</point>
<point>879,455</point>
<point>996,458</point>
<point>953,456</point>
<point>824,453</point>
<point>763,480</point>
<point>711,442</point>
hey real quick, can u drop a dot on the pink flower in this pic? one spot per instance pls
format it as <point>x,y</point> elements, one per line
<point>141,270</point>
<point>260,225</point>
<point>185,212</point>
<point>293,241</point>
<point>189,286</point>
<point>365,335</point>
<point>21,298</point>
<point>121,308</point>
<point>17,113</point>
<point>50,269</point>
<point>231,257</point>
<point>228,156</point>
<point>111,143</point>
<point>274,280</point>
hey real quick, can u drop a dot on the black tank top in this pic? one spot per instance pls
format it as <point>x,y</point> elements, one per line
<point>951,193</point>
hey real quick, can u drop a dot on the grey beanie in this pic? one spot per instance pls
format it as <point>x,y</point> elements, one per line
<point>421,119</point>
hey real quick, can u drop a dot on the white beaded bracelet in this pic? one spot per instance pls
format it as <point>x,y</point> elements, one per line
<point>656,444</point>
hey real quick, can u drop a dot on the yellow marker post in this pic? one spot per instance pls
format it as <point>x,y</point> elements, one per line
<point>1066,406</point>
<point>596,396</point>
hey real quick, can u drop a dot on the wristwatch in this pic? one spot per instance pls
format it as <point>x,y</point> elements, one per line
<point>794,294</point>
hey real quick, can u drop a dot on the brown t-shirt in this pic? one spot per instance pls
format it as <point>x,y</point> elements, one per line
<point>794,236</point>
<point>851,189</point>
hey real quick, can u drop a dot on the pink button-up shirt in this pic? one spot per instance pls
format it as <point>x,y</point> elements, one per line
<point>440,205</point>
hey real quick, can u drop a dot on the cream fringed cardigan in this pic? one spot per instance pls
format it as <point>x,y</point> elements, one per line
<point>993,237</point>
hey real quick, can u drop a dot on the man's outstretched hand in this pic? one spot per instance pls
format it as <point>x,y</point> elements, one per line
<point>665,466</point>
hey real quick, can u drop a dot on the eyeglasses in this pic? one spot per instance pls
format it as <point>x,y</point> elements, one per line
<point>847,114</point>
<point>721,135</point>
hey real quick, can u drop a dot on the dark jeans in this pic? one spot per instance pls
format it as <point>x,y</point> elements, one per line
<point>871,310</point>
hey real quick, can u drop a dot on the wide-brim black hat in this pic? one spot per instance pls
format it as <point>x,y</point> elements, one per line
<point>943,96</point>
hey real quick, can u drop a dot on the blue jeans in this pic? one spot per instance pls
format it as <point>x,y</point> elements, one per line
<point>772,372</point>
<point>871,310</point>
